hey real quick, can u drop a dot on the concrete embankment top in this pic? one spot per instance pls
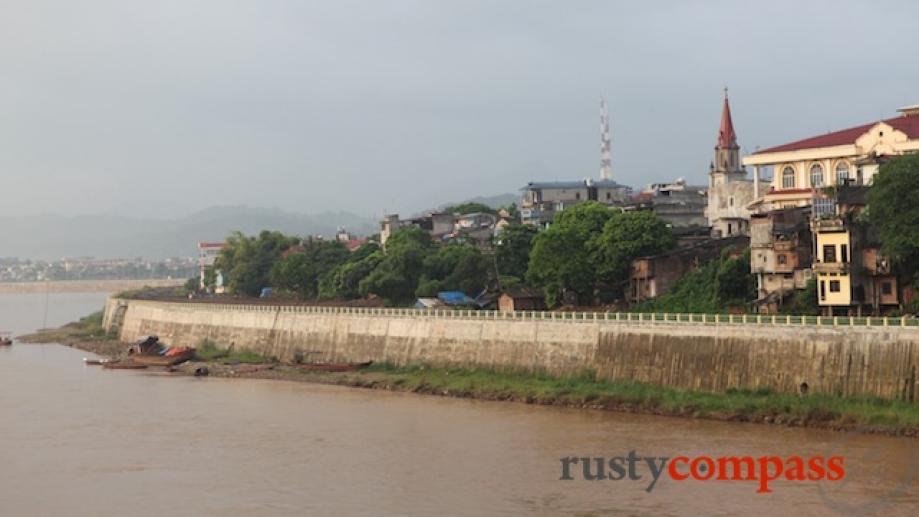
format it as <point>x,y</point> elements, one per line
<point>711,352</point>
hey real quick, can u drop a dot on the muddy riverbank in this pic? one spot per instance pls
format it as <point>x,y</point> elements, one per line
<point>762,407</point>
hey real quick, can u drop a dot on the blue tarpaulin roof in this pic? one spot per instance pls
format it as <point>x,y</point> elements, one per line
<point>454,298</point>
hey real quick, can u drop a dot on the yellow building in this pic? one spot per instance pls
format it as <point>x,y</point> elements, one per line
<point>832,263</point>
<point>795,171</point>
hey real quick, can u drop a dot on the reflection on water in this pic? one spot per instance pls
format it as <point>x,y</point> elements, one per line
<point>78,440</point>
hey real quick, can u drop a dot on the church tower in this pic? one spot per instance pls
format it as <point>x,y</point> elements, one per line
<point>726,165</point>
<point>729,190</point>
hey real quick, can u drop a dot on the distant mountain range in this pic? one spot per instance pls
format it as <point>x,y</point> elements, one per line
<point>54,236</point>
<point>47,237</point>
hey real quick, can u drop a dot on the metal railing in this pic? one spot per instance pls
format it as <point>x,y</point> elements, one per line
<point>583,317</point>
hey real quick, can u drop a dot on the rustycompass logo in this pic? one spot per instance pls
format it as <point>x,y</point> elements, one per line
<point>760,470</point>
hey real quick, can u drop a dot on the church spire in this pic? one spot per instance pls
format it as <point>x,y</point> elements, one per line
<point>726,137</point>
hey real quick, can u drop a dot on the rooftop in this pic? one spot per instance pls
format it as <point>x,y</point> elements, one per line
<point>908,123</point>
<point>572,184</point>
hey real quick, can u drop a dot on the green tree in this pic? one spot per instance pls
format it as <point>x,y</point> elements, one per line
<point>247,261</point>
<point>300,272</point>
<point>345,280</point>
<point>396,277</point>
<point>893,202</point>
<point>626,236</point>
<point>455,267</point>
<point>734,284</point>
<point>470,208</point>
<point>804,301</point>
<point>560,263</point>
<point>512,249</point>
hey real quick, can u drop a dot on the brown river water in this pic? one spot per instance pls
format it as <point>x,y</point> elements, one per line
<point>78,440</point>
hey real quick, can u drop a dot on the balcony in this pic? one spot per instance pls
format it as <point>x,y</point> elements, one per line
<point>831,267</point>
<point>830,224</point>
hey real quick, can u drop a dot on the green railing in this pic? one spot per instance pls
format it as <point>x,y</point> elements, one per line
<point>574,317</point>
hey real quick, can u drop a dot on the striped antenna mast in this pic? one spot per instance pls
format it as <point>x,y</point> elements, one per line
<point>606,161</point>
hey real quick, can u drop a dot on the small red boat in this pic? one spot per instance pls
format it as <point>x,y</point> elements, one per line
<point>164,360</point>
<point>333,367</point>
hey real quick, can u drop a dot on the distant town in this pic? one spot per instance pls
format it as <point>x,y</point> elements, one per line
<point>794,237</point>
<point>89,268</point>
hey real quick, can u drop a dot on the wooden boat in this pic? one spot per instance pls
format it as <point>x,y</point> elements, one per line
<point>123,365</point>
<point>164,360</point>
<point>333,367</point>
<point>5,341</point>
<point>95,362</point>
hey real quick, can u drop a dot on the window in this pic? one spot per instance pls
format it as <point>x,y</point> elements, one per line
<point>788,177</point>
<point>842,173</point>
<point>834,286</point>
<point>731,201</point>
<point>609,196</point>
<point>816,175</point>
<point>822,290</point>
<point>730,229</point>
<point>829,253</point>
<point>886,288</point>
<point>577,195</point>
<point>844,253</point>
<point>782,258</point>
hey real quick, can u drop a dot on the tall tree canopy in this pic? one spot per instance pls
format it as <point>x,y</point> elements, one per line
<point>345,280</point>
<point>247,261</point>
<point>588,250</point>
<point>455,267</point>
<point>559,263</point>
<point>396,276</point>
<point>300,272</point>
<point>512,249</point>
<point>893,202</point>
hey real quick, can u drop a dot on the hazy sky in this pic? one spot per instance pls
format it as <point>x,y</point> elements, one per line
<point>167,106</point>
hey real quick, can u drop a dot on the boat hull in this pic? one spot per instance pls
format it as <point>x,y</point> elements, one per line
<point>162,360</point>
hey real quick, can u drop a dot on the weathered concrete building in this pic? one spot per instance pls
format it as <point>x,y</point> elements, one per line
<point>781,254</point>
<point>679,204</point>
<point>541,200</point>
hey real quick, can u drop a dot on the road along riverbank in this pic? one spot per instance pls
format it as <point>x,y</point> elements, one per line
<point>585,390</point>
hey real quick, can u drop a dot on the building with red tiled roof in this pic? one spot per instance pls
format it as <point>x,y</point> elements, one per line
<point>793,172</point>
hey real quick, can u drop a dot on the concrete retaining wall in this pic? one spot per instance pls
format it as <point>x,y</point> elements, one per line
<point>879,361</point>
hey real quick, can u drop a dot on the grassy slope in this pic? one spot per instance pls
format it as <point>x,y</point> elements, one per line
<point>743,405</point>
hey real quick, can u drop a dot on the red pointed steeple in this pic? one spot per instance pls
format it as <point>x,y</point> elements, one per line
<point>726,137</point>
